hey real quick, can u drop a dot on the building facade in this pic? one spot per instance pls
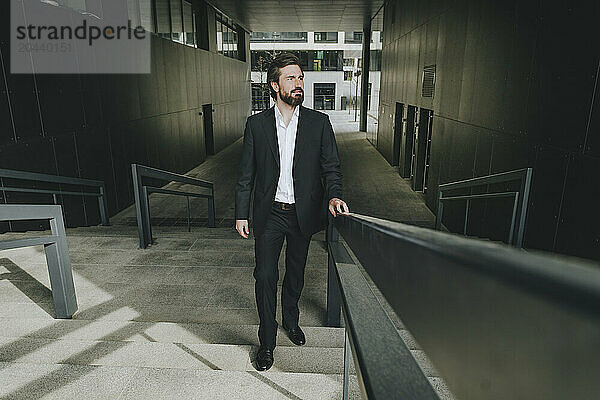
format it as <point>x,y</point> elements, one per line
<point>331,62</point>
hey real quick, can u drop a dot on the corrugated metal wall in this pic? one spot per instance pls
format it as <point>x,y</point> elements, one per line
<point>515,88</point>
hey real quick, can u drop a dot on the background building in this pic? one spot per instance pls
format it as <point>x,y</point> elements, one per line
<point>331,62</point>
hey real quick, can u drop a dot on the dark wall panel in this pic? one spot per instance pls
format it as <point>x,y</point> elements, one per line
<point>514,88</point>
<point>57,94</point>
<point>7,133</point>
<point>95,126</point>
<point>549,176</point>
<point>565,66</point>
<point>25,106</point>
<point>578,231</point>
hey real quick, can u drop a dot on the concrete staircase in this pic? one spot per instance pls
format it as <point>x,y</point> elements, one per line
<point>177,320</point>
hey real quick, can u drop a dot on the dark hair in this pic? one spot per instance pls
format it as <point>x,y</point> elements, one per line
<point>273,73</point>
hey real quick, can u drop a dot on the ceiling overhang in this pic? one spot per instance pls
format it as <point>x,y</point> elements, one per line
<point>303,15</point>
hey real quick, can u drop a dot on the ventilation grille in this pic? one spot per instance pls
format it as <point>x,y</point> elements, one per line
<point>428,81</point>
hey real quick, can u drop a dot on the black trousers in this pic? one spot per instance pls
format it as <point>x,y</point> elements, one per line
<point>281,224</point>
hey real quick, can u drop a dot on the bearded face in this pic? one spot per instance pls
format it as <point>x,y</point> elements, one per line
<point>291,85</point>
<point>295,98</point>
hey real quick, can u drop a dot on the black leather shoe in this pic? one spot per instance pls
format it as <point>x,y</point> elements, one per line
<point>296,336</point>
<point>264,358</point>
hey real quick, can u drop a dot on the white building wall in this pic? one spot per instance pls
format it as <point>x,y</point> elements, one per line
<point>342,87</point>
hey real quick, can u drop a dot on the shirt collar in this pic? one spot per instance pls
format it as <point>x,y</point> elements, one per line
<point>279,116</point>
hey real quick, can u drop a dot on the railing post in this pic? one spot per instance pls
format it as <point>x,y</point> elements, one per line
<point>59,269</point>
<point>143,230</point>
<point>103,206</point>
<point>211,208</point>
<point>187,198</point>
<point>511,236</point>
<point>146,207</point>
<point>466,217</point>
<point>347,355</point>
<point>440,210</point>
<point>525,188</point>
<point>333,294</point>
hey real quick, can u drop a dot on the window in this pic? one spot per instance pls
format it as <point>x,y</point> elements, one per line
<point>348,75</point>
<point>176,21</point>
<point>353,37</point>
<point>163,19</point>
<point>189,24</point>
<point>326,37</point>
<point>375,60</point>
<point>139,13</point>
<point>324,96</point>
<point>326,60</point>
<point>348,62</point>
<point>146,19</point>
<point>279,37</point>
<point>261,98</point>
<point>260,59</point>
<point>227,37</point>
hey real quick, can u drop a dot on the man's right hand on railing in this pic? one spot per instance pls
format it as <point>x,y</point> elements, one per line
<point>241,225</point>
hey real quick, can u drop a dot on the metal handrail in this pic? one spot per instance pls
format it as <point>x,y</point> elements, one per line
<point>520,199</point>
<point>384,365</point>
<point>142,191</point>
<point>55,248</point>
<point>497,322</point>
<point>67,180</point>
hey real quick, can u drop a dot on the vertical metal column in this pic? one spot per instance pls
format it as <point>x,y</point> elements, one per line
<point>525,188</point>
<point>143,228</point>
<point>103,206</point>
<point>59,269</point>
<point>364,89</point>
<point>146,208</point>
<point>347,355</point>
<point>189,216</point>
<point>466,217</point>
<point>511,237</point>
<point>440,210</point>
<point>333,294</point>
<point>211,208</point>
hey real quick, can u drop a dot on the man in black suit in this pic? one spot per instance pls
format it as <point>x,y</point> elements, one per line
<point>290,153</point>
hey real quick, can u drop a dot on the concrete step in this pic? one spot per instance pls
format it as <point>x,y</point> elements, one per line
<point>177,355</point>
<point>163,332</point>
<point>152,354</point>
<point>66,381</point>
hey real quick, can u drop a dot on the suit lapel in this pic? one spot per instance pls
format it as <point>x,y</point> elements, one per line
<point>300,135</point>
<point>271,132</point>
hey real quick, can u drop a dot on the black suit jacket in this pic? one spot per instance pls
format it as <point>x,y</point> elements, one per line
<point>316,169</point>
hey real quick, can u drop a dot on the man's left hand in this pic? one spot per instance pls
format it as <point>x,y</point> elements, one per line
<point>338,206</point>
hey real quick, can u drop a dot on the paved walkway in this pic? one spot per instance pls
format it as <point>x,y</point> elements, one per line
<point>371,186</point>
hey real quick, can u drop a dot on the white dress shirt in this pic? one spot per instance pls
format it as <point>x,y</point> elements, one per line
<point>286,137</point>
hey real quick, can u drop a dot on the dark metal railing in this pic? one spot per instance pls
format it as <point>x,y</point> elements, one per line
<point>497,322</point>
<point>520,199</point>
<point>55,247</point>
<point>142,203</point>
<point>384,365</point>
<point>66,180</point>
